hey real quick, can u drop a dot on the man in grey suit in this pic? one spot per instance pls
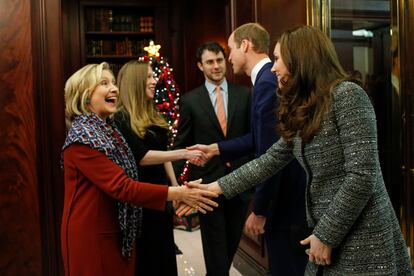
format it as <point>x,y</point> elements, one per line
<point>216,111</point>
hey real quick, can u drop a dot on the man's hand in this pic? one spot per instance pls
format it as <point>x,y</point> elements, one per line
<point>195,157</point>
<point>209,150</point>
<point>255,224</point>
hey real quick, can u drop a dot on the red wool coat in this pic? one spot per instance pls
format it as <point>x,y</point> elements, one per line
<point>90,233</point>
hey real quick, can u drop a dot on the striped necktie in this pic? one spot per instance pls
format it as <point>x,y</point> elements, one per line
<point>221,114</point>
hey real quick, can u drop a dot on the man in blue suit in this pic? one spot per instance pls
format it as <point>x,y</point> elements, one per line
<point>278,207</point>
<point>200,122</point>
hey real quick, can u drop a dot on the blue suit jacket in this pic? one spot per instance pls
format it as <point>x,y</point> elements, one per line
<point>262,135</point>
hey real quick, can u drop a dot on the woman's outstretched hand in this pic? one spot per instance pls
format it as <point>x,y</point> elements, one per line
<point>184,209</point>
<point>209,150</point>
<point>319,252</point>
<point>212,187</point>
<point>195,157</point>
<point>197,199</point>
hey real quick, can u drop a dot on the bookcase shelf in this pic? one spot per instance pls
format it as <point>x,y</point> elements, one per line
<point>97,33</point>
<point>111,57</point>
<point>115,33</point>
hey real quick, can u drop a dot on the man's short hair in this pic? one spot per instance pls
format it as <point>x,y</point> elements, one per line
<point>209,46</point>
<point>256,34</point>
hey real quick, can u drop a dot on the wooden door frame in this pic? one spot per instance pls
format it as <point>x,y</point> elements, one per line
<point>403,18</point>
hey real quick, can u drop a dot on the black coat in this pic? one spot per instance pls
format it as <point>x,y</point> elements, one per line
<point>199,125</point>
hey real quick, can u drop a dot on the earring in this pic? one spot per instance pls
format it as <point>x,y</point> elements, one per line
<point>87,101</point>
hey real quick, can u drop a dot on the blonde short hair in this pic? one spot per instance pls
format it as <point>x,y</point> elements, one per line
<point>79,88</point>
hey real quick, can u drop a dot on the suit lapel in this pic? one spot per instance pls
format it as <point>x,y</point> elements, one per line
<point>207,106</point>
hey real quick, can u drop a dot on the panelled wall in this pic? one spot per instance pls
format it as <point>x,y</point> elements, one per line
<point>404,68</point>
<point>32,131</point>
<point>20,244</point>
<point>192,23</point>
<point>48,61</point>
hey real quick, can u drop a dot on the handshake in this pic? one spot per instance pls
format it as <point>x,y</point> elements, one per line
<point>194,196</point>
<point>200,154</point>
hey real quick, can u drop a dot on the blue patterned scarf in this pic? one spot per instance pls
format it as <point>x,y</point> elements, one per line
<point>91,130</point>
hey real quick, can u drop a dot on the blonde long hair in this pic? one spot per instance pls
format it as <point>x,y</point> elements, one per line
<point>134,103</point>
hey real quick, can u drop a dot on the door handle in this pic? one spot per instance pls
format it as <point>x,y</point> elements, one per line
<point>410,170</point>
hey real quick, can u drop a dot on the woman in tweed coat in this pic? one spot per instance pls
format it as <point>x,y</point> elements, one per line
<point>329,125</point>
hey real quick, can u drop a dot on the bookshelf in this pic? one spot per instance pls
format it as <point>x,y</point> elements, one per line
<point>115,34</point>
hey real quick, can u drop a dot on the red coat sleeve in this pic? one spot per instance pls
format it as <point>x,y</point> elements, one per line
<point>112,180</point>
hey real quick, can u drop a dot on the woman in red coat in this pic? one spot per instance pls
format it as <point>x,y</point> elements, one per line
<point>100,217</point>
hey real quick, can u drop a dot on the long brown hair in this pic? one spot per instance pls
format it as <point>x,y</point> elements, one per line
<point>314,68</point>
<point>134,103</point>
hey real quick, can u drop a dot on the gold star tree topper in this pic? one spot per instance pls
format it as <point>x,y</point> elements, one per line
<point>152,49</point>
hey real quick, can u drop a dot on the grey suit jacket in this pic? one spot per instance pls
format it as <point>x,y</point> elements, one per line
<point>346,199</point>
<point>199,124</point>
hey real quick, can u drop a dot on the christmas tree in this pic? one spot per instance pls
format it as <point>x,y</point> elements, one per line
<point>166,95</point>
<point>166,91</point>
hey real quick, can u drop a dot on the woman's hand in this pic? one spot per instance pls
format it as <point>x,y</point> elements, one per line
<point>198,199</point>
<point>319,252</point>
<point>209,150</point>
<point>195,157</point>
<point>212,187</point>
<point>183,209</point>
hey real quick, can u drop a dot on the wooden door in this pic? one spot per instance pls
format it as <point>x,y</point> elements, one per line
<point>384,45</point>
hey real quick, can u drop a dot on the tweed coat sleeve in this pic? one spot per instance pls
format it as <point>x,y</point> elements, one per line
<point>356,123</point>
<point>257,171</point>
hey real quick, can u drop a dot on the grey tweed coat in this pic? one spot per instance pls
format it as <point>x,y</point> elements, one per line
<point>346,199</point>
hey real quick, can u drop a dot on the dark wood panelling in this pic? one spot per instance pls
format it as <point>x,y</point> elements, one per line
<point>275,16</point>
<point>48,80</point>
<point>278,16</point>
<point>243,11</point>
<point>201,21</point>
<point>176,57</point>
<point>71,37</point>
<point>406,38</point>
<point>20,243</point>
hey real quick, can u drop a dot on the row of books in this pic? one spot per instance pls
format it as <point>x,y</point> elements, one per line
<point>108,20</point>
<point>125,47</point>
